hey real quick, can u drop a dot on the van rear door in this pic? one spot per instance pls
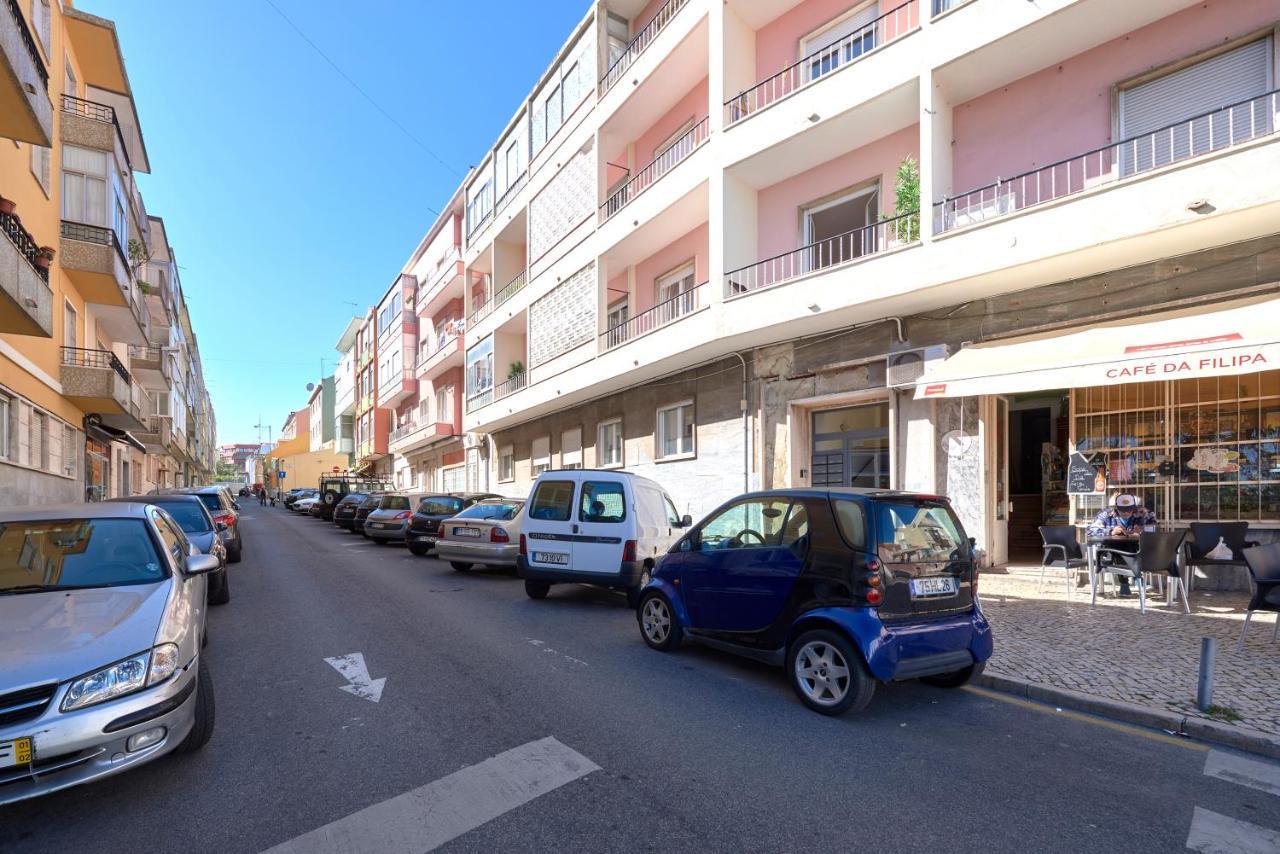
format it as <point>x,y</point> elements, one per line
<point>548,526</point>
<point>604,514</point>
<point>928,564</point>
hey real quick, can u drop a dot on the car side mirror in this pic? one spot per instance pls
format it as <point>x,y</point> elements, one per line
<point>220,526</point>
<point>686,521</point>
<point>202,564</point>
<point>235,504</point>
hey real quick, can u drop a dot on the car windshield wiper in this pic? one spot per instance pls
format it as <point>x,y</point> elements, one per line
<point>41,588</point>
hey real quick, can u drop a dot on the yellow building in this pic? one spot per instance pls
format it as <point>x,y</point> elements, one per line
<point>302,467</point>
<point>101,391</point>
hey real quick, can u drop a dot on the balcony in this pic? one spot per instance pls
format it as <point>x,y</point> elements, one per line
<point>397,387</point>
<point>157,434</point>
<point>508,290</point>
<point>651,173</point>
<point>93,259</point>
<point>26,301</point>
<point>411,437</point>
<point>150,367</point>
<point>824,255</point>
<point>97,382</point>
<point>638,45</point>
<point>447,354</point>
<point>663,314</point>
<point>511,385</point>
<point>26,114</point>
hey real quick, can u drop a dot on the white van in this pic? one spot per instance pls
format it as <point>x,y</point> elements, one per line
<point>591,526</point>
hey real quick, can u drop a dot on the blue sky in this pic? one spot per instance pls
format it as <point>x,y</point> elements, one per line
<point>286,195</point>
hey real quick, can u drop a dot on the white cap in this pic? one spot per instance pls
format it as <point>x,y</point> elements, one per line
<point>1125,500</point>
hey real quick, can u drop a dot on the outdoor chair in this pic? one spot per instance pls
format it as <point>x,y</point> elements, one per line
<point>1157,554</point>
<point>1264,570</point>
<point>1061,551</point>
<point>1205,536</point>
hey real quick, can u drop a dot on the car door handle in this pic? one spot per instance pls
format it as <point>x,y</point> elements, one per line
<point>575,528</point>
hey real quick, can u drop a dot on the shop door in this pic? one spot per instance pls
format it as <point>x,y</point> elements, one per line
<point>851,447</point>
<point>998,481</point>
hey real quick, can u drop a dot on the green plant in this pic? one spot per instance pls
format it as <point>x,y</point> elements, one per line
<point>146,287</point>
<point>906,200</point>
<point>137,253</point>
<point>516,369</point>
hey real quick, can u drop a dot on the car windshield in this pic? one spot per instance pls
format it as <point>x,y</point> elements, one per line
<point>353,498</point>
<point>498,511</point>
<point>212,500</point>
<point>188,515</point>
<point>371,502</point>
<point>59,554</point>
<point>440,505</point>
<point>914,533</point>
<point>394,502</point>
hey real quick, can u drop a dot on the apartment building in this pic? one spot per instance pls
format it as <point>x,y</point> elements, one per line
<point>96,348</point>
<point>344,394</point>
<point>938,246</point>
<point>320,414</point>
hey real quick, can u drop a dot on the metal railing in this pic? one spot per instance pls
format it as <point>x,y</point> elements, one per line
<point>29,40</point>
<point>890,26</point>
<point>150,354</point>
<point>510,193</point>
<point>99,113</point>
<point>665,312</point>
<point>510,289</point>
<point>511,385</point>
<point>93,234</point>
<point>825,254</point>
<point>645,178</point>
<point>85,358</point>
<point>482,311</point>
<point>484,397</point>
<point>23,242</point>
<point>638,44</point>
<point>443,341</point>
<point>1205,133</point>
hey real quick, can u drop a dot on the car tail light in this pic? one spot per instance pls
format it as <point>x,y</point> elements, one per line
<point>227,519</point>
<point>405,514</point>
<point>629,550</point>
<point>524,549</point>
<point>499,535</point>
<point>874,596</point>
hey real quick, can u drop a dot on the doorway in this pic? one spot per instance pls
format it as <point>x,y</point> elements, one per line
<point>1030,433</point>
<point>836,230</point>
<point>851,447</point>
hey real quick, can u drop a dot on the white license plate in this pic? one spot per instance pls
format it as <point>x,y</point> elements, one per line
<point>551,557</point>
<point>377,525</point>
<point>944,585</point>
<point>466,532</point>
<point>423,539</point>
<point>16,752</point>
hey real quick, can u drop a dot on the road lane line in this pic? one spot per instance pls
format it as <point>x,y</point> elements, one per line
<point>1212,833</point>
<point>425,818</point>
<point>1263,776</point>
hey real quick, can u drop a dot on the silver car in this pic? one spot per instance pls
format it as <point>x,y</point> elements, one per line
<point>193,517</point>
<point>102,616</point>
<point>391,518</point>
<point>487,532</point>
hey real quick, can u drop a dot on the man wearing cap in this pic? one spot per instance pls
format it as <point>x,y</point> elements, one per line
<point>1126,517</point>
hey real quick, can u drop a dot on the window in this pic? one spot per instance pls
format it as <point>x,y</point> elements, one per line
<point>836,230</point>
<point>506,464</point>
<point>70,335</point>
<point>540,455</point>
<point>42,18</point>
<point>453,479</point>
<point>852,521</point>
<point>6,412</point>
<point>41,163</point>
<point>843,41</point>
<point>552,501</point>
<point>914,533</point>
<point>674,518</point>
<point>602,502</point>
<point>175,542</point>
<point>618,313</point>
<point>675,431</point>
<point>753,523</point>
<point>480,368</point>
<point>84,185</point>
<point>511,160</point>
<point>571,449</point>
<point>498,511</point>
<point>70,450</point>
<point>78,552</point>
<point>69,86</point>
<point>444,405</point>
<point>39,440</point>
<point>609,443</point>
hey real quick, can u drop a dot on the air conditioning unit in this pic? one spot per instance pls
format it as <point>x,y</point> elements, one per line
<point>473,440</point>
<point>904,368</point>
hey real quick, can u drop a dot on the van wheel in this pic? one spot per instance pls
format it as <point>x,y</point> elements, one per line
<point>828,673</point>
<point>462,567</point>
<point>956,678</point>
<point>634,593</point>
<point>202,727</point>
<point>658,624</point>
<point>419,549</point>
<point>536,589</point>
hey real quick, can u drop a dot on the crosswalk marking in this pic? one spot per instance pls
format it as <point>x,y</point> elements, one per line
<point>1263,776</point>
<point>427,817</point>
<point>1212,833</point>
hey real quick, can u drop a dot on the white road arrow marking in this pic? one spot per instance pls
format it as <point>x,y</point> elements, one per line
<point>353,669</point>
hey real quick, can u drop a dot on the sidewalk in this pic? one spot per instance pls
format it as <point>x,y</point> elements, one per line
<point>1115,653</point>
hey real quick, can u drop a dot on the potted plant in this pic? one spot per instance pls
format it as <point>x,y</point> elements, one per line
<point>7,206</point>
<point>146,288</point>
<point>44,257</point>
<point>515,370</point>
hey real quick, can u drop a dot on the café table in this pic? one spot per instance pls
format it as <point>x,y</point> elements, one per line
<point>1122,543</point>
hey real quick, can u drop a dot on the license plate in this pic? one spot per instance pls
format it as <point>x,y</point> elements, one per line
<point>422,539</point>
<point>16,752</point>
<point>377,525</point>
<point>944,585</point>
<point>551,557</point>
<point>466,532</point>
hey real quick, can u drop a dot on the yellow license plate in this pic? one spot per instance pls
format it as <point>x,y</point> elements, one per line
<point>16,752</point>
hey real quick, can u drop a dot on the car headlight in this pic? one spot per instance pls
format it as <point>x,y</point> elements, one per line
<point>124,677</point>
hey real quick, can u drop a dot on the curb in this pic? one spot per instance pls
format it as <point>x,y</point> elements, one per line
<point>1213,732</point>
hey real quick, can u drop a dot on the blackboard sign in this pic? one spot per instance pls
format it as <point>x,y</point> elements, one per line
<point>1085,477</point>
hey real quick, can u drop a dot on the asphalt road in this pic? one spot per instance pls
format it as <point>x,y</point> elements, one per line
<point>697,750</point>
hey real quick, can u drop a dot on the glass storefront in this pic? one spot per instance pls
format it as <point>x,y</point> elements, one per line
<point>851,446</point>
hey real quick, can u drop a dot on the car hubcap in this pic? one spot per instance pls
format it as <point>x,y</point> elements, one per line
<point>656,620</point>
<point>822,673</point>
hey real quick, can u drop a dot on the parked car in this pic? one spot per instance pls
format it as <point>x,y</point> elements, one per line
<point>336,487</point>
<point>390,519</point>
<point>195,520</point>
<point>305,502</point>
<point>487,532</point>
<point>296,493</point>
<point>244,492</point>
<point>366,507</point>
<point>344,512</point>
<point>224,510</point>
<point>424,525</point>
<point>595,527</point>
<point>842,587</point>
<point>102,612</point>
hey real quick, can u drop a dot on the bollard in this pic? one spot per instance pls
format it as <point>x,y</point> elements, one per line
<point>1204,690</point>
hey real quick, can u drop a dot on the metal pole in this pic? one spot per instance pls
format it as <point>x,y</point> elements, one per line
<point>1204,689</point>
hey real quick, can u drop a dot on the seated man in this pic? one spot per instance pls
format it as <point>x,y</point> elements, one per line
<point>1124,519</point>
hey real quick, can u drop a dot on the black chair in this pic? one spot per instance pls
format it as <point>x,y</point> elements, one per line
<point>1264,570</point>
<point>1061,551</point>
<point>1157,554</point>
<point>1205,537</point>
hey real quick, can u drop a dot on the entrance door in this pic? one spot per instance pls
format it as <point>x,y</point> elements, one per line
<point>851,447</point>
<point>998,481</point>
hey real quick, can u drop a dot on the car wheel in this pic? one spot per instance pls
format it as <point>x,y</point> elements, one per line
<point>460,566</point>
<point>419,549</point>
<point>956,678</point>
<point>202,727</point>
<point>234,552</point>
<point>828,673</point>
<point>380,542</point>
<point>364,534</point>
<point>220,592</point>
<point>658,624</point>
<point>536,589</point>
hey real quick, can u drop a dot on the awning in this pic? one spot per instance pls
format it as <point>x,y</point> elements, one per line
<point>107,433</point>
<point>1234,338</point>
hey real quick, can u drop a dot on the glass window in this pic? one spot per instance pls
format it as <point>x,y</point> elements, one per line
<point>5,414</point>
<point>753,523</point>
<point>914,533</point>
<point>66,553</point>
<point>852,520</point>
<point>439,505</point>
<point>797,527</point>
<point>602,502</point>
<point>212,500</point>
<point>552,501</point>
<point>191,518</point>
<point>540,454</point>
<point>394,502</point>
<point>499,511</point>
<point>507,464</point>
<point>171,535</point>
<point>609,443</point>
<point>673,516</point>
<point>675,431</point>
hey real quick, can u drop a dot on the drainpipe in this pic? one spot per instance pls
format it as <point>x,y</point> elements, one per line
<point>746,429</point>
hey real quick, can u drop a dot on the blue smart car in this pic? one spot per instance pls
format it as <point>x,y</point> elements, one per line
<point>843,587</point>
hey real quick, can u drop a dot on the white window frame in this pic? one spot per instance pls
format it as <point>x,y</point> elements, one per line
<point>69,313</point>
<point>6,427</point>
<point>619,312</point>
<point>41,167</point>
<point>687,270</point>
<point>506,464</point>
<point>667,144</point>
<point>540,455</point>
<point>601,462</point>
<point>808,39</point>
<point>871,189</point>
<point>659,434</point>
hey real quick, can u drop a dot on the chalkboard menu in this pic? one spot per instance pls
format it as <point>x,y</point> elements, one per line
<point>1085,477</point>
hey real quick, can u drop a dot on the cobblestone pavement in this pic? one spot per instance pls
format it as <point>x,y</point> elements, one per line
<point>1148,659</point>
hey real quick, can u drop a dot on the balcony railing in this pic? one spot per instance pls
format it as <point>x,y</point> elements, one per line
<point>642,40</point>
<point>23,242</point>
<point>484,397</point>
<point>149,354</point>
<point>27,39</point>
<point>82,358</point>
<point>510,193</point>
<point>891,25</point>
<point>1216,130</point>
<point>689,142</point>
<point>509,290</point>
<point>667,311</point>
<point>443,340</point>
<point>511,385</point>
<point>825,254</point>
<point>93,234</point>
<point>99,113</point>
